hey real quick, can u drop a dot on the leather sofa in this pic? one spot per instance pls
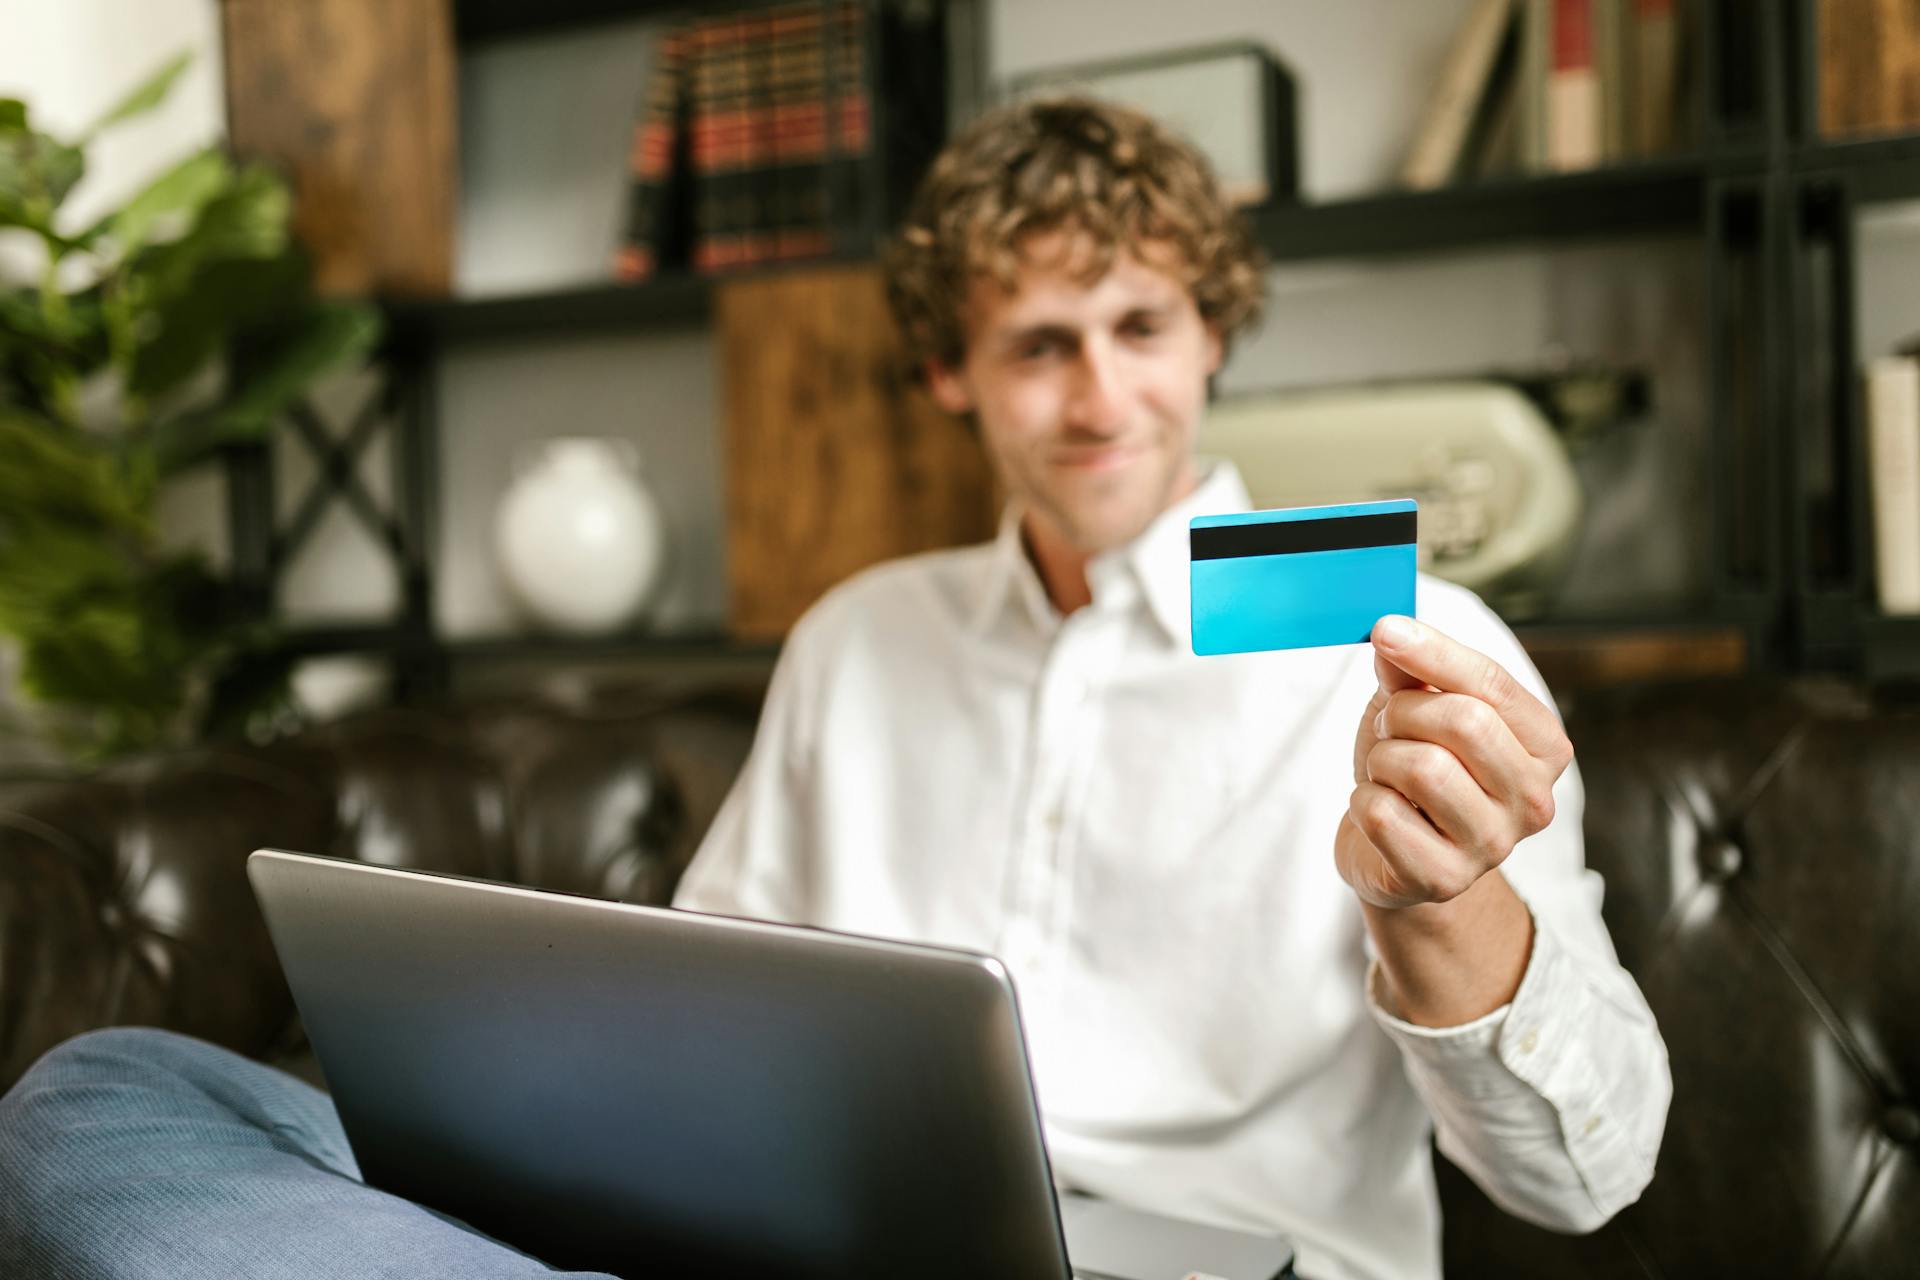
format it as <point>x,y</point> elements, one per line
<point>1760,841</point>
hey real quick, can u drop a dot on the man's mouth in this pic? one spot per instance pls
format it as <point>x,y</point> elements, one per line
<point>1097,458</point>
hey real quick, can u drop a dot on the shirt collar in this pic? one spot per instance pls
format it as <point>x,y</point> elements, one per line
<point>1152,567</point>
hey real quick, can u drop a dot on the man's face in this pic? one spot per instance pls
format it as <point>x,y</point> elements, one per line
<point>1088,395</point>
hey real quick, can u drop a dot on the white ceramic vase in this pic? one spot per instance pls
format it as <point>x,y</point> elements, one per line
<point>579,537</point>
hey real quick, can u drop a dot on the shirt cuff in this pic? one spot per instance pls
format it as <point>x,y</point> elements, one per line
<point>1442,1047</point>
<point>1481,1058</point>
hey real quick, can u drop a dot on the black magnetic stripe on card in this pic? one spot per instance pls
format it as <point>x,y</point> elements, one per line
<point>1284,537</point>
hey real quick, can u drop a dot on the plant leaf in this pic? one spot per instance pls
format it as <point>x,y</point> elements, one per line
<point>187,329</point>
<point>53,476</point>
<point>143,99</point>
<point>181,192</point>
<point>36,173</point>
<point>34,353</point>
<point>330,336</point>
<point>13,114</point>
<point>246,220</point>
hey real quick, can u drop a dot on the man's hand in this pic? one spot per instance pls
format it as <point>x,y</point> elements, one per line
<point>1453,764</point>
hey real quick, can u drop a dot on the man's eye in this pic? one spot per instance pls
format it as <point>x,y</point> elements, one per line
<point>1143,328</point>
<point>1035,350</point>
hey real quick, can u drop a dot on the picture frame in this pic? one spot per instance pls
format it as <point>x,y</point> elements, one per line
<point>1235,100</point>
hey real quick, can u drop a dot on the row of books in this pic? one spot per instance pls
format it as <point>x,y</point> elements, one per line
<point>1893,471</point>
<point>1545,86</point>
<point>756,141</point>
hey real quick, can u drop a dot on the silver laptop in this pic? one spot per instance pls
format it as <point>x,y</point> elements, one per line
<point>650,1092</point>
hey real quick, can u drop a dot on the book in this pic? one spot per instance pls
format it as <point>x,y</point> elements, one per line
<point>1536,38</point>
<point>782,132</point>
<point>1609,23</point>
<point>1869,52</point>
<point>1574,126</point>
<point>1466,82</point>
<point>797,89</point>
<point>755,215</point>
<point>718,133</point>
<point>850,179</point>
<point>779,156</point>
<point>645,241</point>
<point>1893,468</point>
<point>1494,150</point>
<point>1653,108</point>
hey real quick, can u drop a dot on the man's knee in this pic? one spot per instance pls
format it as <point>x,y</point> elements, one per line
<point>123,1074</point>
<point>112,1055</point>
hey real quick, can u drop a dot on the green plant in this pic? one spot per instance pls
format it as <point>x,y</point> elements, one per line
<point>115,376</point>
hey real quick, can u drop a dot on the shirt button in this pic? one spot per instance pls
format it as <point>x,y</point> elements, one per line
<point>1593,1122</point>
<point>1530,1041</point>
<point>1055,821</point>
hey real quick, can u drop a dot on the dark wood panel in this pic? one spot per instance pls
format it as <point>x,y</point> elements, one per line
<point>1575,656</point>
<point>1869,66</point>
<point>835,461</point>
<point>355,101</point>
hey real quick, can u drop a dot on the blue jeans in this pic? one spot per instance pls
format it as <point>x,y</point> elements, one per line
<point>133,1152</point>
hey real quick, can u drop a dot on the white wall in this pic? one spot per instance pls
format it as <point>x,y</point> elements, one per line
<point>73,59</point>
<point>544,129</point>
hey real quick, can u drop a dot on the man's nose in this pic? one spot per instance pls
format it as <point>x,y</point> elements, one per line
<point>1097,401</point>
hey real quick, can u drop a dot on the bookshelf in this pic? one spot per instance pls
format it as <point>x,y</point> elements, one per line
<point>671,301</point>
<point>480,22</point>
<point>1882,169</point>
<point>1765,199</point>
<point>1667,196</point>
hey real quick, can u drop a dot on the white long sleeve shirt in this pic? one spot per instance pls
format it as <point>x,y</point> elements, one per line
<point>1145,839</point>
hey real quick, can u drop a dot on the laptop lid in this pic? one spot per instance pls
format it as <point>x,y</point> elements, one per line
<point>644,1091</point>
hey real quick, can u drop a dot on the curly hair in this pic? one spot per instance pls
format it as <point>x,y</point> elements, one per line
<point>1116,178</point>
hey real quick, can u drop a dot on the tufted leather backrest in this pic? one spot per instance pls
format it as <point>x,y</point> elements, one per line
<point>1761,848</point>
<point>124,897</point>
<point>1758,839</point>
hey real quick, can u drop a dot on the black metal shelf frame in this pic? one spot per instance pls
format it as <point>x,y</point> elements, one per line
<point>1770,201</point>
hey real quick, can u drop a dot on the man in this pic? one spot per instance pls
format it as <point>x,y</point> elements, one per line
<point>1186,863</point>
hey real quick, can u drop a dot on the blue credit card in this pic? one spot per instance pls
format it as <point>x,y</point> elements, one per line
<point>1300,577</point>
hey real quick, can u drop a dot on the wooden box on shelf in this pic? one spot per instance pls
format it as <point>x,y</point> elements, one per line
<point>835,460</point>
<point>1869,67</point>
<point>355,101</point>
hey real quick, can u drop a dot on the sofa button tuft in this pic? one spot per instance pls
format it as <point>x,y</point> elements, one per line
<point>1901,1124</point>
<point>1721,859</point>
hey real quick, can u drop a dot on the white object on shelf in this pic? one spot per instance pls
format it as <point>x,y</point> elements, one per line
<point>1893,462</point>
<point>579,537</point>
<point>1500,505</point>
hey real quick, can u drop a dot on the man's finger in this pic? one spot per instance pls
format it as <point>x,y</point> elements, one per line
<point>1426,656</point>
<point>1469,728</point>
<point>1392,679</point>
<point>1440,786</point>
<point>1421,864</point>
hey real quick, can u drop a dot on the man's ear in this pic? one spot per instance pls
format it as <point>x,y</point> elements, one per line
<point>949,388</point>
<point>1215,349</point>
